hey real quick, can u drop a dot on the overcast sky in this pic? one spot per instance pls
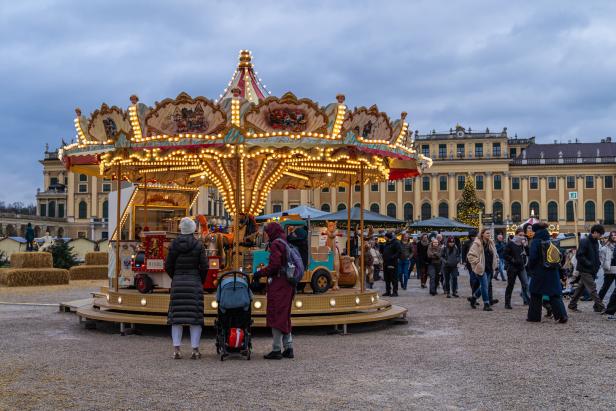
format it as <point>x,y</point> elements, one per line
<point>540,68</point>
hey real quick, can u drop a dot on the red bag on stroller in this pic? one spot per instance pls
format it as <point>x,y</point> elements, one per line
<point>236,337</point>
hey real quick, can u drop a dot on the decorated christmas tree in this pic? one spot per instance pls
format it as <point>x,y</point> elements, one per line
<point>469,205</point>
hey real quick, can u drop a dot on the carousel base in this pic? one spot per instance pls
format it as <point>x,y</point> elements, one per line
<point>337,308</point>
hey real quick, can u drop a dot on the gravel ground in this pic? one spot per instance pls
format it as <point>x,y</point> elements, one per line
<point>448,356</point>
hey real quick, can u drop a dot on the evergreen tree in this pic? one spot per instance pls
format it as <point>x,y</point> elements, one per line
<point>469,205</point>
<point>63,255</point>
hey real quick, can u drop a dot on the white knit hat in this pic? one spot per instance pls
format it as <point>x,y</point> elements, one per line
<point>187,225</point>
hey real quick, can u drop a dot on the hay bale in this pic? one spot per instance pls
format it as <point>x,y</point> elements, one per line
<point>88,272</point>
<point>31,260</point>
<point>18,277</point>
<point>97,258</point>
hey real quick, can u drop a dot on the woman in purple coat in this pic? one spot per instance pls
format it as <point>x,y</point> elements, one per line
<point>280,294</point>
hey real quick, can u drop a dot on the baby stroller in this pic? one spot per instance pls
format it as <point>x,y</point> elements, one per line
<point>234,315</point>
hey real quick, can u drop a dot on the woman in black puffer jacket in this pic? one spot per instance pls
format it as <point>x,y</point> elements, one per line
<point>187,265</point>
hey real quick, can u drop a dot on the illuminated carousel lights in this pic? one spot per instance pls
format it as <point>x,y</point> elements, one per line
<point>401,135</point>
<point>339,120</point>
<point>134,122</point>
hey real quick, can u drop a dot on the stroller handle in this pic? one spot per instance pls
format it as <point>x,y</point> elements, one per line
<point>234,274</point>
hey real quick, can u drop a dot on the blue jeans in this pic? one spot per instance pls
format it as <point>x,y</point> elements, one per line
<point>483,288</point>
<point>403,272</point>
<point>501,269</point>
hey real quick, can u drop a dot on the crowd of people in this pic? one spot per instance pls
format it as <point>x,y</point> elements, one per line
<point>436,260</point>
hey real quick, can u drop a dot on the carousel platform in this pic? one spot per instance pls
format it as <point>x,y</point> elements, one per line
<point>338,308</point>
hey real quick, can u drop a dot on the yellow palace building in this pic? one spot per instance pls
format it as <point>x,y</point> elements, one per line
<point>513,177</point>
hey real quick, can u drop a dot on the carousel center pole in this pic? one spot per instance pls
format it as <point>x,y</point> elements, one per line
<point>236,224</point>
<point>349,217</point>
<point>362,284</point>
<point>145,202</point>
<point>116,279</point>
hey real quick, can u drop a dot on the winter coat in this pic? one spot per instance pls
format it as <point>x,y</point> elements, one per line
<point>587,255</point>
<point>187,265</point>
<point>280,292</point>
<point>29,234</point>
<point>434,256</point>
<point>464,251</point>
<point>515,256</point>
<point>545,281</point>
<point>608,258</point>
<point>500,248</point>
<point>391,253</point>
<point>477,260</point>
<point>422,253</point>
<point>406,250</point>
<point>450,256</point>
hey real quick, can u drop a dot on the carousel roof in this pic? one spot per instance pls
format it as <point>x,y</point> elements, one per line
<point>244,144</point>
<point>305,212</point>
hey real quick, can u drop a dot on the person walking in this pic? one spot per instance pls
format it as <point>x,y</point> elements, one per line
<point>516,259</point>
<point>472,278</point>
<point>451,258</point>
<point>279,294</point>
<point>545,281</point>
<point>607,254</point>
<point>482,257</point>
<point>187,265</point>
<point>29,237</point>
<point>391,255</point>
<point>422,259</point>
<point>299,238</point>
<point>434,267</point>
<point>500,249</point>
<point>406,253</point>
<point>588,264</point>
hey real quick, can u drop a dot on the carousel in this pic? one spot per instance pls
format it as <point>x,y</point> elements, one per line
<point>245,144</point>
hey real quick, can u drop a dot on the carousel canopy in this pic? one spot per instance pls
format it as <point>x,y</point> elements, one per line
<point>441,223</point>
<point>303,211</point>
<point>369,217</point>
<point>244,144</point>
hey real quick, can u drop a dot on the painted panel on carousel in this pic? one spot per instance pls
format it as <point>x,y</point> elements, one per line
<point>108,123</point>
<point>286,114</point>
<point>185,115</point>
<point>368,124</point>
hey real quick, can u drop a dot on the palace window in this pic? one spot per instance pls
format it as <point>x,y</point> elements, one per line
<point>570,181</point>
<point>608,182</point>
<point>569,211</point>
<point>479,182</point>
<point>442,150</point>
<point>515,183</point>
<point>461,181</point>
<point>552,211</point>
<point>442,183</point>
<point>513,152</point>
<point>105,209</point>
<point>60,210</point>
<point>408,184</point>
<point>498,182</point>
<point>408,212</point>
<point>83,210</point>
<point>497,212</point>
<point>391,210</point>
<point>496,149</point>
<point>552,183</point>
<point>533,207</point>
<point>425,150</point>
<point>443,210</point>
<point>608,213</point>
<point>426,211</point>
<point>391,186</point>
<point>277,208</point>
<point>590,182</point>
<point>460,150</point>
<point>325,207</point>
<point>51,209</point>
<point>82,188</point>
<point>374,187</point>
<point>43,210</point>
<point>357,188</point>
<point>516,212</point>
<point>425,183</point>
<point>374,207</point>
<point>478,150</point>
<point>534,183</point>
<point>325,190</point>
<point>589,211</point>
<point>83,178</point>
<point>342,189</point>
<point>341,207</point>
